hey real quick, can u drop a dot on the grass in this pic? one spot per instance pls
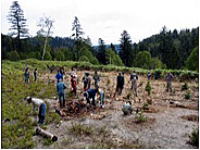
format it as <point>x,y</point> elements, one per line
<point>79,129</point>
<point>41,65</point>
<point>18,127</point>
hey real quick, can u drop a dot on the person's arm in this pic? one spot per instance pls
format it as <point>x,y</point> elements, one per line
<point>64,86</point>
<point>57,88</point>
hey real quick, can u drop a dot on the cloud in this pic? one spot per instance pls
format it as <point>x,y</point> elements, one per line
<point>107,19</point>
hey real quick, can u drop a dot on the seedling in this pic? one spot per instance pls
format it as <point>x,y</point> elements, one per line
<point>185,87</point>
<point>188,95</point>
<point>148,88</point>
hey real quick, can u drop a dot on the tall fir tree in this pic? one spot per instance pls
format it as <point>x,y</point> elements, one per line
<point>78,32</point>
<point>126,52</point>
<point>18,27</point>
<point>101,56</point>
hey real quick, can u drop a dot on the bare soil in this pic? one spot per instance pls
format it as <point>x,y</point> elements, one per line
<point>167,125</point>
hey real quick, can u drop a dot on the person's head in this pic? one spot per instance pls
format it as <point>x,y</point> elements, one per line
<point>58,71</point>
<point>129,102</point>
<point>87,74</point>
<point>85,94</point>
<point>120,74</point>
<point>35,69</point>
<point>95,72</point>
<point>28,99</point>
<point>98,89</point>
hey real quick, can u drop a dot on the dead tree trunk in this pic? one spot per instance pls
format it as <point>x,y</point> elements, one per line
<point>40,131</point>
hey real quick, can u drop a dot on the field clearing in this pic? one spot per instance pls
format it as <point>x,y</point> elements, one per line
<point>166,126</point>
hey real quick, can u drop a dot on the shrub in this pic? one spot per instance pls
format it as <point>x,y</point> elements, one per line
<point>188,95</point>
<point>145,106</point>
<point>157,74</point>
<point>139,118</point>
<point>194,138</point>
<point>184,87</point>
<point>148,88</point>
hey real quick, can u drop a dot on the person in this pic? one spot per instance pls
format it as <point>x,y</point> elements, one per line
<point>96,79</point>
<point>133,79</point>
<point>90,95</point>
<point>86,81</point>
<point>26,75</point>
<point>101,97</point>
<point>40,105</point>
<point>120,84</point>
<point>59,76</point>
<point>60,89</point>
<point>169,77</point>
<point>35,73</point>
<point>127,108</point>
<point>148,75</point>
<point>62,71</point>
<point>73,84</point>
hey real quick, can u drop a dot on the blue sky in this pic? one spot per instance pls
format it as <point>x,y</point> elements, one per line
<point>107,19</point>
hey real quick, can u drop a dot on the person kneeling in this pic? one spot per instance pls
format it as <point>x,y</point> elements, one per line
<point>90,94</point>
<point>127,108</point>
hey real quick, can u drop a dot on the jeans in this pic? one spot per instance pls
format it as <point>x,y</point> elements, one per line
<point>61,99</point>
<point>42,113</point>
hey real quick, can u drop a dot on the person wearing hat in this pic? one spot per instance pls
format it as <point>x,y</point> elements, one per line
<point>41,106</point>
<point>127,108</point>
<point>133,79</point>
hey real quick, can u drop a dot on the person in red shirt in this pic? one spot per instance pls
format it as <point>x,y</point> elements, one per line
<point>73,84</point>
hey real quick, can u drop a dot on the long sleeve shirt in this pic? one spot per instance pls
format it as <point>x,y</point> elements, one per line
<point>36,103</point>
<point>60,87</point>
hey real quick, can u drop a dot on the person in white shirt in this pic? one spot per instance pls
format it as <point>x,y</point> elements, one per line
<point>40,104</point>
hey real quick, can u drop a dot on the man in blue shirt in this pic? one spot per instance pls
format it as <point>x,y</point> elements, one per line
<point>60,89</point>
<point>59,76</point>
<point>90,94</point>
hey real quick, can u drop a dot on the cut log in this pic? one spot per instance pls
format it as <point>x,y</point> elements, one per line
<point>40,131</point>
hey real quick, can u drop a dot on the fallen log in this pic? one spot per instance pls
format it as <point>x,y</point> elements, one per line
<point>40,131</point>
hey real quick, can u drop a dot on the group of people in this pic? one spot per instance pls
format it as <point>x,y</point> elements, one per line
<point>121,82</point>
<point>27,75</point>
<point>91,95</point>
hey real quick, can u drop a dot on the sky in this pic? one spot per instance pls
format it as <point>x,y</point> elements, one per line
<point>107,19</point>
